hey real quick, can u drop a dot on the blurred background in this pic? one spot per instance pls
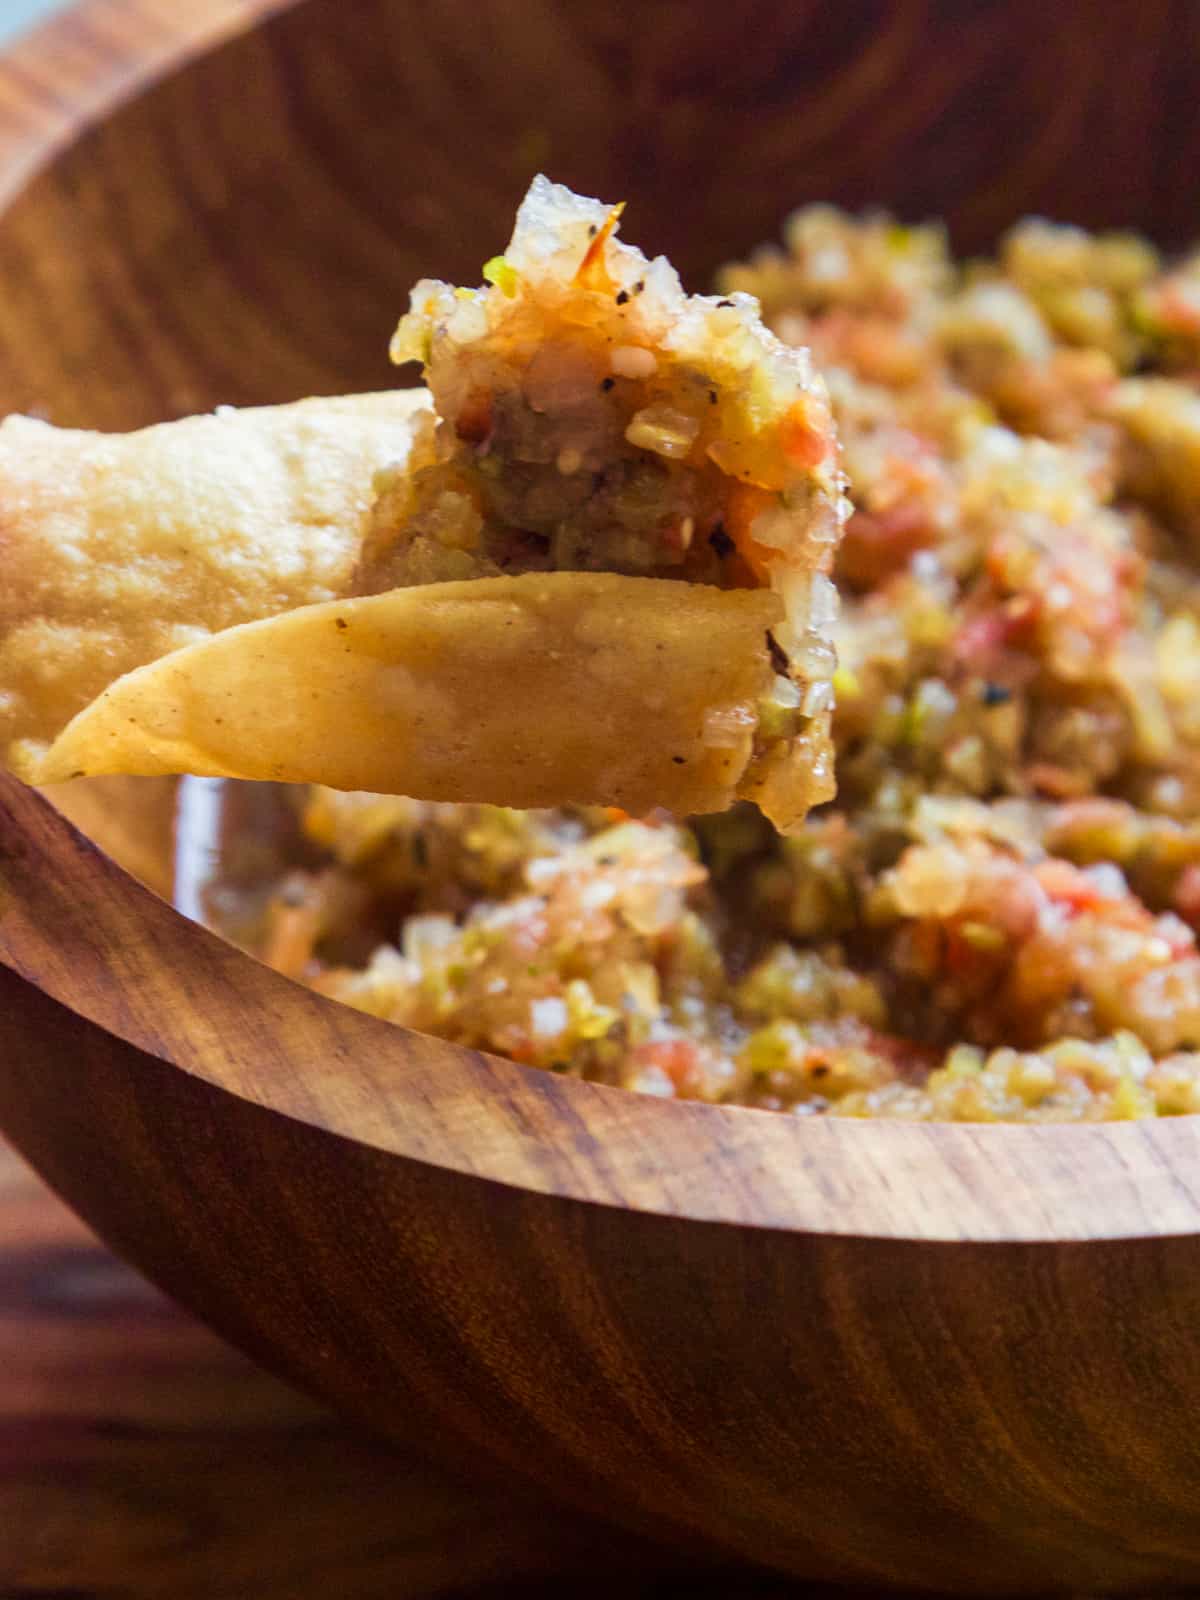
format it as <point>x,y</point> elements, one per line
<point>17,15</point>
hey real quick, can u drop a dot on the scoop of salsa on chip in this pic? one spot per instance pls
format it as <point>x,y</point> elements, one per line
<point>588,563</point>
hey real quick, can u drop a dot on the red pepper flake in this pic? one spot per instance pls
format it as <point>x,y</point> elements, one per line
<point>592,273</point>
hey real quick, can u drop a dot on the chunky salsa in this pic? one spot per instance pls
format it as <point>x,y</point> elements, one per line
<point>996,918</point>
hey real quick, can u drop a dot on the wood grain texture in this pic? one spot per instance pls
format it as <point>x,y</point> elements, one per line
<point>246,229</point>
<point>141,1458</point>
<point>134,819</point>
<point>74,69</point>
<point>956,1357</point>
<point>518,1269</point>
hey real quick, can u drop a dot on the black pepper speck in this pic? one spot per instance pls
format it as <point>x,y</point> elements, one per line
<point>721,542</point>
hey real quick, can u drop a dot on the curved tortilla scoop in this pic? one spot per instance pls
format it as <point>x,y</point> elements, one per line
<point>538,690</point>
<point>116,549</point>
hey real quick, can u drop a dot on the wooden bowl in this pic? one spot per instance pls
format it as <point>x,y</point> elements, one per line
<point>965,1358</point>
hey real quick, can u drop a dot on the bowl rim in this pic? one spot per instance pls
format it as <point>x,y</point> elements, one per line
<point>92,938</point>
<point>143,40</point>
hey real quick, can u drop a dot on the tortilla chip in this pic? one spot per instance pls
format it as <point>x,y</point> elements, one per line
<point>537,690</point>
<point>590,415</point>
<point>116,548</point>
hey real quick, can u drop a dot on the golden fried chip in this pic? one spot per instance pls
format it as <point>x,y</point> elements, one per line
<point>530,691</point>
<point>600,564</point>
<point>116,548</point>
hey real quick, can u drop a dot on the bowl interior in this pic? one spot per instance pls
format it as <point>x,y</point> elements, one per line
<point>246,230</point>
<point>991,1330</point>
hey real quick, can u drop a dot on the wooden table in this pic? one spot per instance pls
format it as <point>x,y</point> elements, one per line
<point>142,1457</point>
<point>139,1455</point>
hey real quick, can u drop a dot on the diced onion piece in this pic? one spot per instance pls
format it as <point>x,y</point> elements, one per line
<point>664,430</point>
<point>633,361</point>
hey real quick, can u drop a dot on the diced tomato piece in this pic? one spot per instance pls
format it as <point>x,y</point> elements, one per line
<point>1179,311</point>
<point>745,502</point>
<point>803,443</point>
<point>980,636</point>
<point>529,937</point>
<point>293,934</point>
<point>677,1058</point>
<point>1060,783</point>
<point>1187,895</point>
<point>964,959</point>
<point>878,544</point>
<point>1066,885</point>
<point>475,420</point>
<point>999,629</point>
<point>906,1056</point>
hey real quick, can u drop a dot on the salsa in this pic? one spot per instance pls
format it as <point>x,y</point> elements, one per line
<point>996,917</point>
